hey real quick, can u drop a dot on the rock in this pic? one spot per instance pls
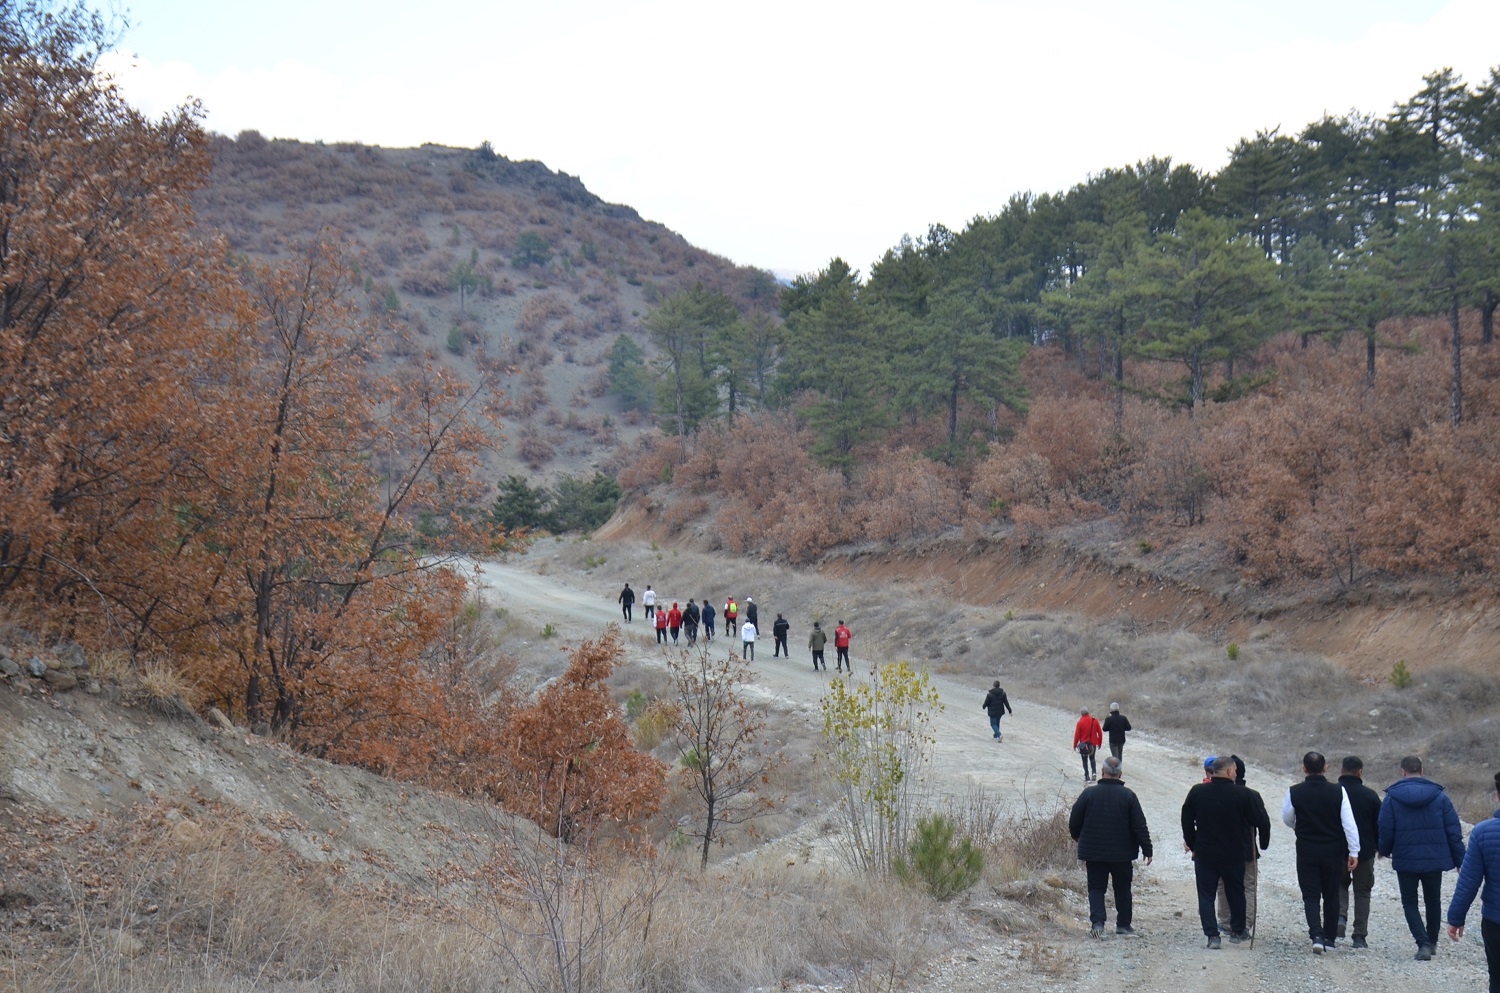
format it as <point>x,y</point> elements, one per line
<point>70,654</point>
<point>60,680</point>
<point>36,667</point>
<point>8,667</point>
<point>124,943</point>
<point>217,716</point>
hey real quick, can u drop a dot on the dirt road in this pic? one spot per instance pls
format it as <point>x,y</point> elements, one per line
<point>1034,765</point>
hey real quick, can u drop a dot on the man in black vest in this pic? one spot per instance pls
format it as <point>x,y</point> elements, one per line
<point>1217,817</point>
<point>1366,805</point>
<point>1327,847</point>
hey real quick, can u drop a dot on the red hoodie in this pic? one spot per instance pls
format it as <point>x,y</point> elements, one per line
<point>1088,730</point>
<point>841,636</point>
<point>674,617</point>
<point>661,620</point>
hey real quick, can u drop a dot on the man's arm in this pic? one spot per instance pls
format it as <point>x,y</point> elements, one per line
<point>1454,830</point>
<point>1006,701</point>
<point>1260,820</point>
<point>1189,822</point>
<point>1138,827</point>
<point>1385,830</point>
<point>1351,829</point>
<point>1075,816</point>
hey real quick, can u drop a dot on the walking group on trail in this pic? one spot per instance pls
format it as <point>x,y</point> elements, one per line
<point>1340,829</point>
<point>682,624</point>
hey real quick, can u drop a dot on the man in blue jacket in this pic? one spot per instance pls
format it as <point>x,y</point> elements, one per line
<point>1421,835</point>
<point>1481,864</point>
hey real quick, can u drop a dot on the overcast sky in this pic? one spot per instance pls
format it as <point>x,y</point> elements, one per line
<point>785,132</point>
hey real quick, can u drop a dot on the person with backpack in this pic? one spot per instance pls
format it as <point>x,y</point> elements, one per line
<point>731,615</point>
<point>708,620</point>
<point>779,629</point>
<point>690,615</point>
<point>841,636</point>
<point>1087,737</point>
<point>816,641</point>
<point>998,705</point>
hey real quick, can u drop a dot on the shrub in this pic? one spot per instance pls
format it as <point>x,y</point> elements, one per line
<point>1401,675</point>
<point>1232,650</point>
<point>939,859</point>
<point>456,340</point>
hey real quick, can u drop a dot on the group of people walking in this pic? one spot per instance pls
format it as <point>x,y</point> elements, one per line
<point>1341,828</point>
<point>739,619</point>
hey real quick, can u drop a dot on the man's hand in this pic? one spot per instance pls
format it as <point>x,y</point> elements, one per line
<point>1148,860</point>
<point>1455,931</point>
<point>1353,862</point>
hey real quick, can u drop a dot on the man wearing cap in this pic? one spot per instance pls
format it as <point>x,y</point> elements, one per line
<point>1115,725</point>
<point>1110,828</point>
<point>1215,819</point>
<point>1087,737</point>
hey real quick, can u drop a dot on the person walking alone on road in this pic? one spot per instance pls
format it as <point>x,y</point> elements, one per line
<point>648,600</point>
<point>1216,817</point>
<point>816,641</point>
<point>747,640</point>
<point>1110,828</point>
<point>1115,725</point>
<point>1421,835</point>
<point>708,620</point>
<point>627,600</point>
<point>1320,814</point>
<point>1481,865</point>
<point>1366,805</point>
<point>841,638</point>
<point>997,704</point>
<point>1087,737</point>
<point>779,629</point>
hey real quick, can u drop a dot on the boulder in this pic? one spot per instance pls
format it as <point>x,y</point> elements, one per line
<point>60,680</point>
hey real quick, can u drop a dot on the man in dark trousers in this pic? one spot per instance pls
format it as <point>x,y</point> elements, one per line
<point>1420,833</point>
<point>752,612</point>
<point>817,642</point>
<point>1115,726</point>
<point>1110,828</point>
<point>1320,814</point>
<point>690,617</point>
<point>997,704</point>
<point>1481,866</point>
<point>706,613</point>
<point>779,629</point>
<point>1216,817</point>
<point>627,600</point>
<point>1366,804</point>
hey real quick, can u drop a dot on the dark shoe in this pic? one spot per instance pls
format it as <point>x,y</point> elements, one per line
<point>1424,953</point>
<point>1125,932</point>
<point>1214,943</point>
<point>1358,942</point>
<point>1318,947</point>
<point>1238,936</point>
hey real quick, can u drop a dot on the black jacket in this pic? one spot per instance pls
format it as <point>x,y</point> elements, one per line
<point>780,627</point>
<point>752,615</point>
<point>692,614</point>
<point>1365,803</point>
<point>1217,818</point>
<point>1115,725</point>
<point>1108,824</point>
<point>997,703</point>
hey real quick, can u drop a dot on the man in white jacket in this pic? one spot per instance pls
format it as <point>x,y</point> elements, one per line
<point>747,641</point>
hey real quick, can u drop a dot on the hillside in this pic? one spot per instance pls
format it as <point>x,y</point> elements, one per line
<point>551,273</point>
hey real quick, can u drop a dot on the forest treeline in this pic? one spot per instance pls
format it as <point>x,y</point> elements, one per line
<point>1292,355</point>
<point>202,471</point>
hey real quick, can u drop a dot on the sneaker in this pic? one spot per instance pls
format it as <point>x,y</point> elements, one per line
<point>1224,927</point>
<point>1424,953</point>
<point>1238,936</point>
<point>1096,932</point>
<point>1125,932</point>
<point>1215,943</point>
<point>1318,947</point>
<point>1358,942</point>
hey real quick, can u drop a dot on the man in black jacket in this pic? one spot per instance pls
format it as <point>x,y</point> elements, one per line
<point>1110,828</point>
<point>1115,726</point>
<point>997,704</point>
<point>1327,847</point>
<point>1216,818</point>
<point>1365,803</point>
<point>1252,852</point>
<point>779,630</point>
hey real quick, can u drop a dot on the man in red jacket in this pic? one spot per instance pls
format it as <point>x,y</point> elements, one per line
<point>841,636</point>
<point>1088,735</point>
<point>660,619</point>
<point>674,620</point>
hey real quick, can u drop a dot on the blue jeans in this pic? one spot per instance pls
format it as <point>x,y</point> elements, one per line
<point>1432,893</point>
<point>995,724</point>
